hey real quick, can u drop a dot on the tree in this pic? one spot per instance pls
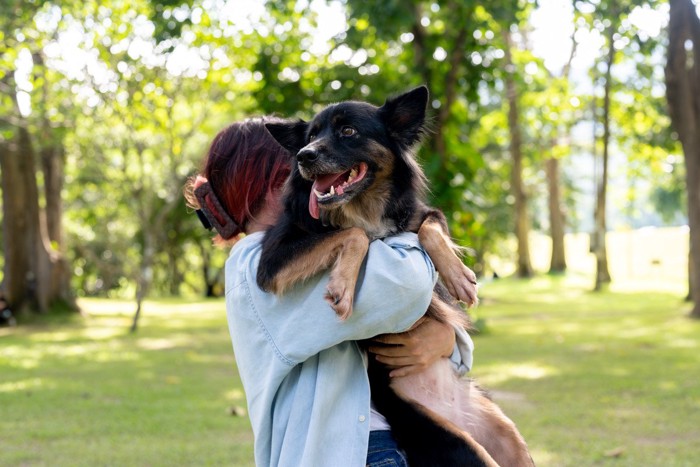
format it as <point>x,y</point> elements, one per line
<point>152,126</point>
<point>557,263</point>
<point>36,275</point>
<point>561,130</point>
<point>623,90</point>
<point>522,219</point>
<point>682,78</point>
<point>602,274</point>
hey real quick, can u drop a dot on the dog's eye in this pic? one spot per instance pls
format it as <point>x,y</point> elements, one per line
<point>348,131</point>
<point>312,137</point>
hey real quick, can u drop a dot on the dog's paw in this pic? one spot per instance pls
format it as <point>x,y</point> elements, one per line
<point>462,285</point>
<point>340,300</point>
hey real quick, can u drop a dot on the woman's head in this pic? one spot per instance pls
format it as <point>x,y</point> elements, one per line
<point>245,168</point>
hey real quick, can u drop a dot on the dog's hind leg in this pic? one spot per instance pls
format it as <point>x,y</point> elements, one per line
<point>458,278</point>
<point>465,405</point>
<point>428,438</point>
<point>496,432</point>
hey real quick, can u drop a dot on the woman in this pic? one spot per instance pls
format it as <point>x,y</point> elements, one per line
<point>302,370</point>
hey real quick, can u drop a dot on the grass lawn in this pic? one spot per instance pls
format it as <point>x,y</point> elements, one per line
<point>84,392</point>
<point>591,379</point>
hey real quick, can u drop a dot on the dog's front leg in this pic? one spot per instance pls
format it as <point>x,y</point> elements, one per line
<point>351,245</point>
<point>297,257</point>
<point>458,278</point>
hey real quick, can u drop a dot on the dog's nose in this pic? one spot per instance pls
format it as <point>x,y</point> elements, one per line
<point>307,155</point>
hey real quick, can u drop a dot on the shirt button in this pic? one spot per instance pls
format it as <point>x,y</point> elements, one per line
<point>362,418</point>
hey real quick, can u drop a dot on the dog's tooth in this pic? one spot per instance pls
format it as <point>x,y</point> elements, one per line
<point>320,195</point>
<point>353,174</point>
<point>332,190</point>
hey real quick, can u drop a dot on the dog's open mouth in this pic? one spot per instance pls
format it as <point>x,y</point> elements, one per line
<point>330,188</point>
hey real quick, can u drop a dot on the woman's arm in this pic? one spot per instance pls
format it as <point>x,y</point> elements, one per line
<point>394,290</point>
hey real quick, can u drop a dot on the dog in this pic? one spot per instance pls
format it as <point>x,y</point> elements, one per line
<point>355,178</point>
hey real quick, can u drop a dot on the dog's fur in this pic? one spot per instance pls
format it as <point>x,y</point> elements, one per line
<point>356,178</point>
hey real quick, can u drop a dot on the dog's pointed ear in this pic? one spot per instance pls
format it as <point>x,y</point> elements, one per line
<point>291,134</point>
<point>404,115</point>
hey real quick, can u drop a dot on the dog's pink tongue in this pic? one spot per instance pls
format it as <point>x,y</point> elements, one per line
<point>313,205</point>
<point>322,184</point>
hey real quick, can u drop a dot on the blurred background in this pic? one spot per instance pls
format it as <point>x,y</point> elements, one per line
<point>557,153</point>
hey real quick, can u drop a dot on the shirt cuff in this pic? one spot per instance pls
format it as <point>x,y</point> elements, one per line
<point>462,355</point>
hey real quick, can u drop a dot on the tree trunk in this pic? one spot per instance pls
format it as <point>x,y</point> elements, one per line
<point>28,262</point>
<point>419,45</point>
<point>602,275</point>
<point>210,280</point>
<point>522,221</point>
<point>52,163</point>
<point>691,274</point>
<point>451,79</point>
<point>145,276</point>
<point>682,79</point>
<point>52,160</point>
<point>556,217</point>
<point>36,275</point>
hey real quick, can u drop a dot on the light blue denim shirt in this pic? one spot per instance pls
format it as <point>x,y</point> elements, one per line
<point>303,373</point>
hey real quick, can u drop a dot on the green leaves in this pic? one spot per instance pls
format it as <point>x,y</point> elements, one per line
<point>135,91</point>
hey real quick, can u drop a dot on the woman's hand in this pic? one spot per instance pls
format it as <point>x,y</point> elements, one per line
<point>416,349</point>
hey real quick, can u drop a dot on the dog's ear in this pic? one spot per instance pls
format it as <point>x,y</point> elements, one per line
<point>291,134</point>
<point>404,115</point>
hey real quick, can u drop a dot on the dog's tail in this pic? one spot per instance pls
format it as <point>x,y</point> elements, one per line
<point>427,438</point>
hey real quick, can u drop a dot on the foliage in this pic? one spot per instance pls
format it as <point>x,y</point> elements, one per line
<point>134,92</point>
<point>669,195</point>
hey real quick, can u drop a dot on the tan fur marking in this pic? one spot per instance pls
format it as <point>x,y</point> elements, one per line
<point>448,314</point>
<point>449,424</point>
<point>366,210</point>
<point>499,435</point>
<point>467,408</point>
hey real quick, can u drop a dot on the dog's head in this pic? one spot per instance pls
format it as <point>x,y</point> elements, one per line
<point>351,150</point>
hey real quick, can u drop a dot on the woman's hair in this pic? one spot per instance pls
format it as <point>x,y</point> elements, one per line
<point>243,166</point>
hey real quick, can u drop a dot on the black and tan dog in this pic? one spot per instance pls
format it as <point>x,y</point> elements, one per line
<point>355,179</point>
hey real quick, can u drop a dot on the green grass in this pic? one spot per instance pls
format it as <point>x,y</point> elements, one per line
<point>84,392</point>
<point>593,379</point>
<point>590,379</point>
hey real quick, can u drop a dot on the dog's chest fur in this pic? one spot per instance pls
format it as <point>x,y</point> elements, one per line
<point>368,212</point>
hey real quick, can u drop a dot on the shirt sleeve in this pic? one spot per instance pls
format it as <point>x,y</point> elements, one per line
<point>394,290</point>
<point>462,356</point>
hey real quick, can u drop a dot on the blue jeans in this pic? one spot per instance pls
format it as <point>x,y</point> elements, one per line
<point>383,451</point>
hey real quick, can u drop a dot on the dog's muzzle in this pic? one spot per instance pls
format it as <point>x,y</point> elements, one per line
<point>307,156</point>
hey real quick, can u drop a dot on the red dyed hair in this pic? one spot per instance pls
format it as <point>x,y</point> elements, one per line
<point>244,165</point>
